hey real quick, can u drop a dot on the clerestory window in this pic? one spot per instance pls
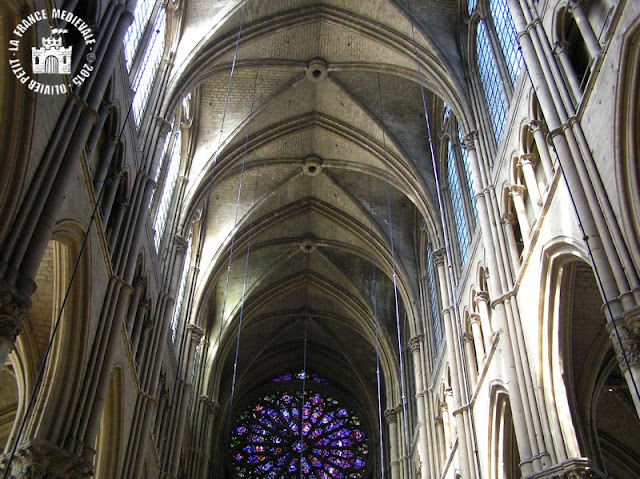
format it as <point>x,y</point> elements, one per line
<point>168,187</point>
<point>133,37</point>
<point>177,310</point>
<point>146,74</point>
<point>498,59</point>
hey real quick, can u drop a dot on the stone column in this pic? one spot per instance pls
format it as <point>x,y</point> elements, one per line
<point>590,39</point>
<point>508,220</point>
<point>499,320</point>
<point>416,348</point>
<point>561,51</point>
<point>132,311</point>
<point>535,126</point>
<point>454,358</point>
<point>478,338</point>
<point>482,305</point>
<point>442,442</point>
<point>526,162</point>
<point>472,361</point>
<point>517,195</point>
<point>391,416</point>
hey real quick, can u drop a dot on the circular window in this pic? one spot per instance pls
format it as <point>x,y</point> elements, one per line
<point>270,439</point>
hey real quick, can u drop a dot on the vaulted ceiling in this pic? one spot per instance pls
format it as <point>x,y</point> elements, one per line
<point>314,157</point>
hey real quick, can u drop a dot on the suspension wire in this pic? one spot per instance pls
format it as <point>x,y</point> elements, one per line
<point>246,262</point>
<point>205,210</point>
<point>54,330</point>
<point>447,245</point>
<point>585,238</point>
<point>403,388</point>
<point>304,366</point>
<point>374,295</point>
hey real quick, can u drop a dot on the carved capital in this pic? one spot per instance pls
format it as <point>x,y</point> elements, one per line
<point>145,304</point>
<point>482,295</point>
<point>414,343</point>
<point>560,47</point>
<point>196,332</point>
<point>391,415</point>
<point>517,190</point>
<point>467,337</point>
<point>181,243</point>
<point>212,407</point>
<point>508,219</point>
<point>163,125</point>
<point>438,257</point>
<point>474,318</point>
<point>527,159</point>
<point>469,140</point>
<point>13,312</point>
<point>43,460</point>
<point>535,125</point>
<point>626,344</point>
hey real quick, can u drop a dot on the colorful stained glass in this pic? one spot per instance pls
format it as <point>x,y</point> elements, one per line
<point>271,440</point>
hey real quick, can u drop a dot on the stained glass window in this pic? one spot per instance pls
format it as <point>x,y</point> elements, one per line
<point>181,290</point>
<point>167,190</point>
<point>433,301</point>
<point>267,441</point>
<point>506,33</point>
<point>301,375</point>
<point>145,76</point>
<point>491,83</point>
<point>471,6</point>
<point>134,34</point>
<point>457,204</point>
<point>467,175</point>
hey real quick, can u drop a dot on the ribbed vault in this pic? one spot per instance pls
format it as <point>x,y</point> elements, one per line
<point>323,126</point>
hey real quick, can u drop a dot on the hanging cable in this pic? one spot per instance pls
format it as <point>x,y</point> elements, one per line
<point>374,300</point>
<point>205,209</point>
<point>304,365</point>
<point>246,262</point>
<point>585,238</point>
<point>56,323</point>
<point>447,244</point>
<point>403,388</point>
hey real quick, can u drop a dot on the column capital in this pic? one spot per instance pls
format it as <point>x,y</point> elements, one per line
<point>467,337</point>
<point>391,415</point>
<point>527,159</point>
<point>483,295</point>
<point>535,125</point>
<point>40,459</point>
<point>474,318</point>
<point>163,125</point>
<point>211,406</point>
<point>181,243</point>
<point>560,46</point>
<point>145,304</point>
<point>196,332</point>
<point>508,219</point>
<point>626,344</point>
<point>469,140</point>
<point>13,312</point>
<point>414,343</point>
<point>517,190</point>
<point>438,257</point>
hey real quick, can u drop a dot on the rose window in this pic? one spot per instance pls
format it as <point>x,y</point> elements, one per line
<point>267,441</point>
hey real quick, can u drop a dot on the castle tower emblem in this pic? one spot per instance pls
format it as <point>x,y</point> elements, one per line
<point>52,56</point>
